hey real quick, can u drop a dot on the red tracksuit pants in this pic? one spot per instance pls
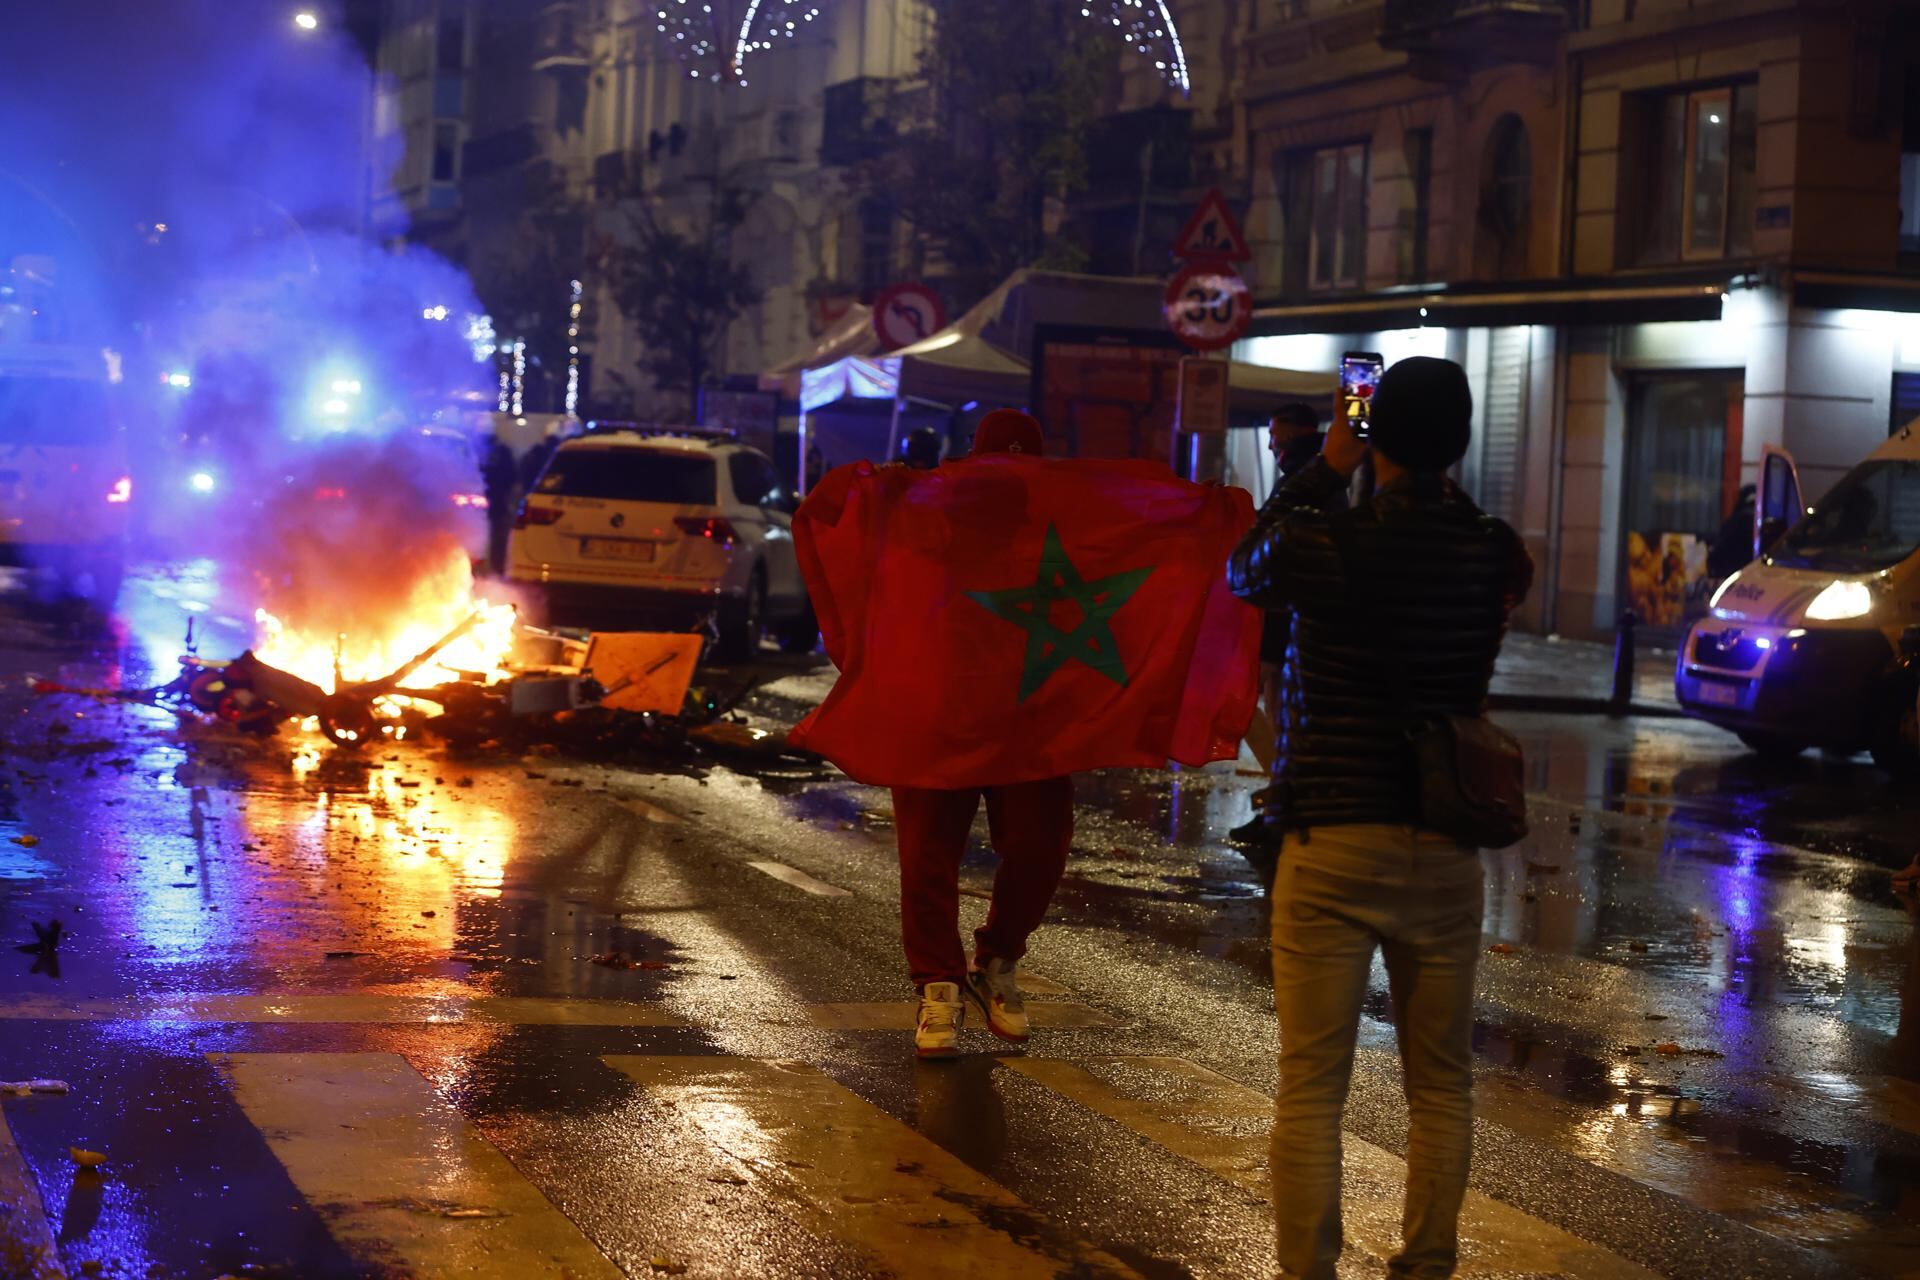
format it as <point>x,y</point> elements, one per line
<point>1032,826</point>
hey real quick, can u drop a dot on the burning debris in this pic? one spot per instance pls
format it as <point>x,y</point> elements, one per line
<point>488,680</point>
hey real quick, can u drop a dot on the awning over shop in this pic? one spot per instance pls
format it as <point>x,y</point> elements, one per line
<point>1253,384</point>
<point>1580,303</point>
<point>1835,290</point>
<point>852,336</point>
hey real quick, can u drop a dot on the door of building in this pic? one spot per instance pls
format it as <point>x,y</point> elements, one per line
<point>1682,480</point>
<point>1495,475</point>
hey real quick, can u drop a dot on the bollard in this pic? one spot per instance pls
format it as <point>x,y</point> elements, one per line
<point>1622,696</point>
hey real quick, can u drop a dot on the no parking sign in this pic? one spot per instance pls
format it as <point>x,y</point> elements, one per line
<point>906,313</point>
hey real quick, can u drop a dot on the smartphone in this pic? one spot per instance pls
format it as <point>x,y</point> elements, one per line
<point>1359,377</point>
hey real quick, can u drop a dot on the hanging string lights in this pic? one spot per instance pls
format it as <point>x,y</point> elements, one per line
<point>715,38</point>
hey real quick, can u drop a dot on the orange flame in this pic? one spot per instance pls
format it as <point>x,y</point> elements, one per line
<point>436,604</point>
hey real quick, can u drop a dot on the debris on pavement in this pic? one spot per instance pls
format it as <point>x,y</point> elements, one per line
<point>444,1208</point>
<point>46,938</point>
<point>602,693</point>
<point>21,1088</point>
<point>621,960</point>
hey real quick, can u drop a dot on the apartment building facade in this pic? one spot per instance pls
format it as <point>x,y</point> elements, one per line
<point>1662,235</point>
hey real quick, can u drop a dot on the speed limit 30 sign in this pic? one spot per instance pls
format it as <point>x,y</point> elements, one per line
<point>1208,305</point>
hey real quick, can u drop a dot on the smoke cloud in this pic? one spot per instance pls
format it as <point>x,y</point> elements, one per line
<point>203,176</point>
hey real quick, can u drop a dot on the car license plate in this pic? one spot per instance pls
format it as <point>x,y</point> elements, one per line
<point>1719,695</point>
<point>616,549</point>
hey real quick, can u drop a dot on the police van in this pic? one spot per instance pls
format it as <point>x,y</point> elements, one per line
<point>1816,643</point>
<point>65,487</point>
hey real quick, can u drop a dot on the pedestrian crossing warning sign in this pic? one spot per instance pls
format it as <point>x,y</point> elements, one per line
<point>1212,232</point>
<point>642,670</point>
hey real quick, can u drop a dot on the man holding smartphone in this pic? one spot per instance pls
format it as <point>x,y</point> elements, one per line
<point>1294,437</point>
<point>1419,577</point>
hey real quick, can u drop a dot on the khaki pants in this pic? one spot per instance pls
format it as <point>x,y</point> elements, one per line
<point>1339,894</point>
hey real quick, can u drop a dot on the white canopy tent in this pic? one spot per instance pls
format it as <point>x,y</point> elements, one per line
<point>979,358</point>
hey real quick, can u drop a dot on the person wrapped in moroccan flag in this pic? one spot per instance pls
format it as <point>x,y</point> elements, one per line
<point>1000,623</point>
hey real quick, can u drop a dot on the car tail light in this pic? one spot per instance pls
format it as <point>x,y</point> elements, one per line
<point>478,501</point>
<point>536,516</point>
<point>712,528</point>
<point>122,490</point>
<point>329,493</point>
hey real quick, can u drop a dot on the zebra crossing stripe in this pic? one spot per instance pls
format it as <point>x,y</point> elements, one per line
<point>1223,1126</point>
<point>349,1007</point>
<point>403,1182</point>
<point>898,1015</point>
<point>851,1172</point>
<point>27,1250</point>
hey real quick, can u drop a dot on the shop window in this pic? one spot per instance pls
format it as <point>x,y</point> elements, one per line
<point>1695,170</point>
<point>1906,401</point>
<point>446,152</point>
<point>1506,193</point>
<point>1683,471</point>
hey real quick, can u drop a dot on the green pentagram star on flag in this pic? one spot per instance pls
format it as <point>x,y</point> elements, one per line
<point>1049,647</point>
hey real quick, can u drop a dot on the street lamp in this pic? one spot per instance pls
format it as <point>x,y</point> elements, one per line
<point>307,20</point>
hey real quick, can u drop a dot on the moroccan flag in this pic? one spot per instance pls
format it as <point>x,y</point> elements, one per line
<point>1006,618</point>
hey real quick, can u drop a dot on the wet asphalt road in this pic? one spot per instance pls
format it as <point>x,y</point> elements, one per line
<point>329,1014</point>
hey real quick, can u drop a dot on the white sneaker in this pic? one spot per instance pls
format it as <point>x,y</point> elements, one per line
<point>996,990</point>
<point>937,1033</point>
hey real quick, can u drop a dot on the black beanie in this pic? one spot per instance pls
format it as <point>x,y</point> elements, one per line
<point>1423,413</point>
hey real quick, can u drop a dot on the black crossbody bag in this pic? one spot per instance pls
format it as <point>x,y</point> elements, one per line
<point>1472,772</point>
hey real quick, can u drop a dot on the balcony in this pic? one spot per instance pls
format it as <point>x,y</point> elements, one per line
<point>1475,32</point>
<point>1305,47</point>
<point>558,43</point>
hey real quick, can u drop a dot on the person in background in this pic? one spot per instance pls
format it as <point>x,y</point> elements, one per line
<point>500,481</point>
<point>1733,545</point>
<point>1365,590</point>
<point>1295,438</point>
<point>921,449</point>
<point>534,462</point>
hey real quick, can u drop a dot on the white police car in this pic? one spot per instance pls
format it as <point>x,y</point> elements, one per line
<point>658,529</point>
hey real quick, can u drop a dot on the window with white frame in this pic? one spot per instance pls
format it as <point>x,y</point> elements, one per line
<point>1327,217</point>
<point>1696,174</point>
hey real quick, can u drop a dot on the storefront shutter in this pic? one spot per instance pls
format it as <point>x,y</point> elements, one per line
<point>1502,420</point>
